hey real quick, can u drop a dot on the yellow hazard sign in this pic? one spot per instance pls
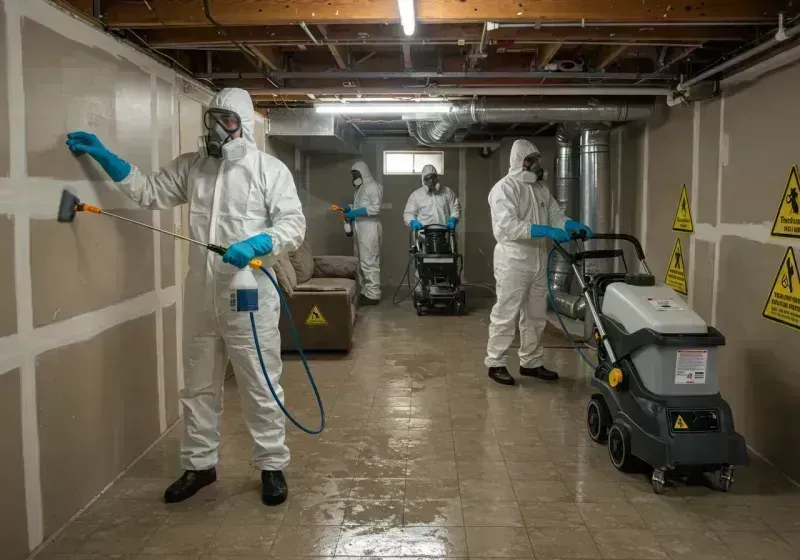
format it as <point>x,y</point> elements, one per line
<point>676,270</point>
<point>783,304</point>
<point>683,215</point>
<point>680,424</point>
<point>787,218</point>
<point>316,317</point>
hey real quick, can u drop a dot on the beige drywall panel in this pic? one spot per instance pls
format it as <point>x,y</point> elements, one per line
<point>480,175</point>
<point>91,263</point>
<point>4,132</point>
<point>708,163</point>
<point>165,111</point>
<point>169,319</point>
<point>670,166</point>
<point>167,250</point>
<point>759,368</point>
<point>97,406</point>
<point>8,297</point>
<point>761,123</point>
<point>191,123</point>
<point>703,288</point>
<point>13,520</point>
<point>330,183</point>
<point>631,179</point>
<point>69,86</point>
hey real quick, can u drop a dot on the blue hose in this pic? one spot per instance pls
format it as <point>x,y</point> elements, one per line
<point>558,315</point>
<point>302,357</point>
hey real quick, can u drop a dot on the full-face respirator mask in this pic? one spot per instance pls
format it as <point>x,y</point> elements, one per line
<point>532,168</point>
<point>432,182</point>
<point>357,179</point>
<point>222,126</point>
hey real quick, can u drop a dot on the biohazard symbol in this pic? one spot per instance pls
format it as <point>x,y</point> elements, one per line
<point>316,317</point>
<point>680,424</point>
<point>683,215</point>
<point>676,270</point>
<point>783,303</point>
<point>787,218</point>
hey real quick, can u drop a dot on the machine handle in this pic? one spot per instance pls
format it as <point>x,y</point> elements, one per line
<point>599,254</point>
<point>623,237</point>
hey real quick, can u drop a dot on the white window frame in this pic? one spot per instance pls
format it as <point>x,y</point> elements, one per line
<point>439,168</point>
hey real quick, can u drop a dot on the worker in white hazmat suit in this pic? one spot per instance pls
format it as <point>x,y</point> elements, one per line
<point>432,203</point>
<point>364,215</point>
<point>524,216</point>
<point>245,200</point>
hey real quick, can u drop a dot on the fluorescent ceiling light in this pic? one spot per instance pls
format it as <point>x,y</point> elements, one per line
<point>383,108</point>
<point>407,16</point>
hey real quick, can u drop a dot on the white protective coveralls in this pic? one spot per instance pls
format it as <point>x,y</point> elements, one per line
<point>368,232</point>
<point>431,208</point>
<point>520,262</point>
<point>242,194</point>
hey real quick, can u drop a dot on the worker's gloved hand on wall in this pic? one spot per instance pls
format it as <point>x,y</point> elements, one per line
<point>572,226</point>
<point>557,235</point>
<point>451,223</point>
<point>240,254</point>
<point>87,143</point>
<point>354,213</point>
<point>415,225</point>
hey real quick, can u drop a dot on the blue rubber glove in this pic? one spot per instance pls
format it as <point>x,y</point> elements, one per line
<point>573,226</point>
<point>86,143</point>
<point>415,225</point>
<point>346,208</point>
<point>354,213</point>
<point>451,223</point>
<point>240,254</point>
<point>557,235</point>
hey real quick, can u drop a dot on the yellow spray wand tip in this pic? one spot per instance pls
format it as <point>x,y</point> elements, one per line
<point>256,264</point>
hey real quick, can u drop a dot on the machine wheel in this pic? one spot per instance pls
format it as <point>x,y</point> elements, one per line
<point>598,419</point>
<point>619,448</point>
<point>658,480</point>
<point>458,308</point>
<point>725,478</point>
<point>419,308</point>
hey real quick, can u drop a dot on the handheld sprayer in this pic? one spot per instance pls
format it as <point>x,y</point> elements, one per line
<point>348,227</point>
<point>243,295</point>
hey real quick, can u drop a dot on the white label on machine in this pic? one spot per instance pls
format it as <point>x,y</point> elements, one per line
<point>664,304</point>
<point>690,367</point>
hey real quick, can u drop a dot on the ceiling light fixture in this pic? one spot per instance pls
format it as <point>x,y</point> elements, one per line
<point>383,108</point>
<point>408,18</point>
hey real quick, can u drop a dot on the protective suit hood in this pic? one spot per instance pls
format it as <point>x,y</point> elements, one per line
<point>240,102</point>
<point>519,151</point>
<point>427,170</point>
<point>363,168</point>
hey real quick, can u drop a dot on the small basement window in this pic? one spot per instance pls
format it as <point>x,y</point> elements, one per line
<point>411,162</point>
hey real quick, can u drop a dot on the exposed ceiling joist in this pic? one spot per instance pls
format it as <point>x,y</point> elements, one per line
<point>337,56</point>
<point>269,56</point>
<point>545,54</point>
<point>608,55</point>
<point>407,62</point>
<point>277,12</point>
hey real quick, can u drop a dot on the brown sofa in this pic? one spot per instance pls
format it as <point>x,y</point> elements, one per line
<point>321,294</point>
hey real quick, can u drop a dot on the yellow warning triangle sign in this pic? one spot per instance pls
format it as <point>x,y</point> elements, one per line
<point>787,218</point>
<point>680,423</point>
<point>783,303</point>
<point>683,215</point>
<point>676,270</point>
<point>315,317</point>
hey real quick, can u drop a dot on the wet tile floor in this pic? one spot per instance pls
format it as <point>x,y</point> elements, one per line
<point>423,456</point>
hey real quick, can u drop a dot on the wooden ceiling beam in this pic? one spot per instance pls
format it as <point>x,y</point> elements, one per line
<point>364,34</point>
<point>545,54</point>
<point>269,56</point>
<point>607,55</point>
<point>337,56</point>
<point>407,62</point>
<point>276,12</point>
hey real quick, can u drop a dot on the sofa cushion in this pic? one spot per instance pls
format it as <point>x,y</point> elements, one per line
<point>327,285</point>
<point>303,262</point>
<point>335,266</point>
<point>285,275</point>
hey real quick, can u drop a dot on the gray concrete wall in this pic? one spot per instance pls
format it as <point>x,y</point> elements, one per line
<point>89,358</point>
<point>734,154</point>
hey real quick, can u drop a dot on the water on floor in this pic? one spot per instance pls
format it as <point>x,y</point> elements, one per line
<point>424,456</point>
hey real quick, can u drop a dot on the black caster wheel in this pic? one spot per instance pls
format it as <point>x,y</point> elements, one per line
<point>725,478</point>
<point>458,308</point>
<point>658,480</point>
<point>419,309</point>
<point>619,448</point>
<point>598,419</point>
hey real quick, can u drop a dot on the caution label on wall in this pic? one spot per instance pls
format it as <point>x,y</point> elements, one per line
<point>683,215</point>
<point>676,271</point>
<point>315,317</point>
<point>783,304</point>
<point>787,218</point>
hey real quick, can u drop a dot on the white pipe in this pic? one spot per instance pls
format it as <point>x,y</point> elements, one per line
<point>470,91</point>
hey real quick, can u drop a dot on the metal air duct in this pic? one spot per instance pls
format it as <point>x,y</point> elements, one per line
<point>491,110</point>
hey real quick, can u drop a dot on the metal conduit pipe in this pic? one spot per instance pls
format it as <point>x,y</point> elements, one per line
<point>469,91</point>
<point>412,131</point>
<point>489,111</point>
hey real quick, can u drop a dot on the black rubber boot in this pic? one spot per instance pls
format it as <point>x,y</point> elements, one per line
<point>364,300</point>
<point>540,372</point>
<point>501,375</point>
<point>274,489</point>
<point>189,484</point>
